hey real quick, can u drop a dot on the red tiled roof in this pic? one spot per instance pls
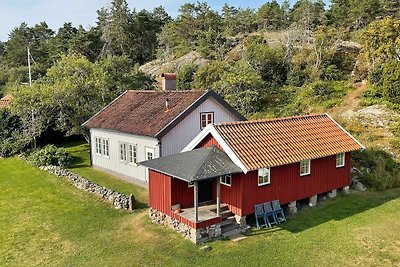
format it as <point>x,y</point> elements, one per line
<point>5,101</point>
<point>281,141</point>
<point>143,112</point>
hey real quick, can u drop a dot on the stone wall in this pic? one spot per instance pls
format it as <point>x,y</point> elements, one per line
<point>118,200</point>
<point>195,235</point>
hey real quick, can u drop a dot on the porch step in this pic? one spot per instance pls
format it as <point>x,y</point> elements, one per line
<point>227,221</point>
<point>226,214</point>
<point>230,229</point>
<point>224,207</point>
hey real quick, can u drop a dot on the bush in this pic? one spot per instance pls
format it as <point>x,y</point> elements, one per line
<point>380,171</point>
<point>50,155</point>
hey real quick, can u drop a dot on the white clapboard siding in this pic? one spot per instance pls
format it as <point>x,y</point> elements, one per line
<point>113,163</point>
<point>176,139</point>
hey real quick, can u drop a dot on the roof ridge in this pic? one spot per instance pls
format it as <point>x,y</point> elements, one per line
<point>271,119</point>
<point>198,167</point>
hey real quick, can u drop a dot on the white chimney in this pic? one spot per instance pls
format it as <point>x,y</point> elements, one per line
<point>168,81</point>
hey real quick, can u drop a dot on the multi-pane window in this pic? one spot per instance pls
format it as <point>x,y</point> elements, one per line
<point>206,118</point>
<point>106,150</point>
<point>102,147</point>
<point>264,176</point>
<point>98,146</point>
<point>226,179</point>
<point>340,160</point>
<point>122,152</point>
<point>132,154</point>
<point>149,155</point>
<point>305,167</point>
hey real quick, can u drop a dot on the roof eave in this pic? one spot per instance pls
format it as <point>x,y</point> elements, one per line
<point>112,102</point>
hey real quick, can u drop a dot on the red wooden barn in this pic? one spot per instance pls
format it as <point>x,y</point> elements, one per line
<point>210,188</point>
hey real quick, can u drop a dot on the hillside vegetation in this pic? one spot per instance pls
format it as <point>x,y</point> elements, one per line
<point>277,60</point>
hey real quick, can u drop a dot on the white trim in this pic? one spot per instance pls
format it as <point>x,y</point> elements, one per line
<point>352,137</point>
<point>309,167</point>
<point>112,102</point>
<point>269,177</point>
<point>210,129</point>
<point>221,182</point>
<point>344,160</point>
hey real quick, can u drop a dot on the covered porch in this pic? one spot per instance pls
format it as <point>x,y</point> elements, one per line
<point>194,187</point>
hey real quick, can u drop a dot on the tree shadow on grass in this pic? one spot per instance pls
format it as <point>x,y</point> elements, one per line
<point>338,209</point>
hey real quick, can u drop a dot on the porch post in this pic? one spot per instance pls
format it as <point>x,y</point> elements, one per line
<point>196,201</point>
<point>218,196</point>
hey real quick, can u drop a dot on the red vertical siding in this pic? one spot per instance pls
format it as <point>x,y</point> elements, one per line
<point>233,195</point>
<point>182,194</point>
<point>160,191</point>
<point>209,140</point>
<point>287,185</point>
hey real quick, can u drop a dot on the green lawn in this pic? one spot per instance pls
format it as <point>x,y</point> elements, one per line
<point>46,221</point>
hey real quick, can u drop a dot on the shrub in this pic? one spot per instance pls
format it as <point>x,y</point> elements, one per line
<point>50,155</point>
<point>380,170</point>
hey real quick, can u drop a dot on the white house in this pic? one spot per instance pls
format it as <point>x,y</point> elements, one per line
<point>142,125</point>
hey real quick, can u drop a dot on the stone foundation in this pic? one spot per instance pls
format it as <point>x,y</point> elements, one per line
<point>332,194</point>
<point>313,201</point>
<point>241,221</point>
<point>195,235</point>
<point>346,190</point>
<point>291,208</point>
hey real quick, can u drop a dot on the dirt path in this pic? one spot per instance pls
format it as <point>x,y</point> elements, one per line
<point>350,102</point>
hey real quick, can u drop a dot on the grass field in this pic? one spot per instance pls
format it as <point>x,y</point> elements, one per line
<point>46,221</point>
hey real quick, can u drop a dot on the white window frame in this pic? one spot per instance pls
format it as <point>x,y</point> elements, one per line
<point>223,179</point>
<point>264,175</point>
<point>98,146</point>
<point>341,156</point>
<point>123,157</point>
<point>132,154</point>
<point>102,146</point>
<point>106,148</point>
<point>152,152</point>
<point>206,114</point>
<point>303,165</point>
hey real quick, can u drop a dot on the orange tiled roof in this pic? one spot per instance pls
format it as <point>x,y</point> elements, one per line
<point>275,142</point>
<point>5,101</point>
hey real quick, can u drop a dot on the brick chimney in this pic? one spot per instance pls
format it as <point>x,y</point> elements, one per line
<point>168,81</point>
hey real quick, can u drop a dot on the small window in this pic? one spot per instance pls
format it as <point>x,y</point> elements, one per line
<point>340,160</point>
<point>106,149</point>
<point>206,118</point>
<point>98,146</point>
<point>305,167</point>
<point>264,176</point>
<point>149,155</point>
<point>132,154</point>
<point>122,152</point>
<point>226,179</point>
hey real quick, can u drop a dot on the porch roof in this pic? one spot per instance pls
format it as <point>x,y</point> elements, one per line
<point>194,165</point>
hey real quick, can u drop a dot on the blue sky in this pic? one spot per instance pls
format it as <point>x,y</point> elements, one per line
<point>83,12</point>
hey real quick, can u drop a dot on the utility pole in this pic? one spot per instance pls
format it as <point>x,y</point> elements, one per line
<point>29,67</point>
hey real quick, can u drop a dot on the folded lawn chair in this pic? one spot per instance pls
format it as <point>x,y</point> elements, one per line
<point>259,214</point>
<point>270,215</point>
<point>279,215</point>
